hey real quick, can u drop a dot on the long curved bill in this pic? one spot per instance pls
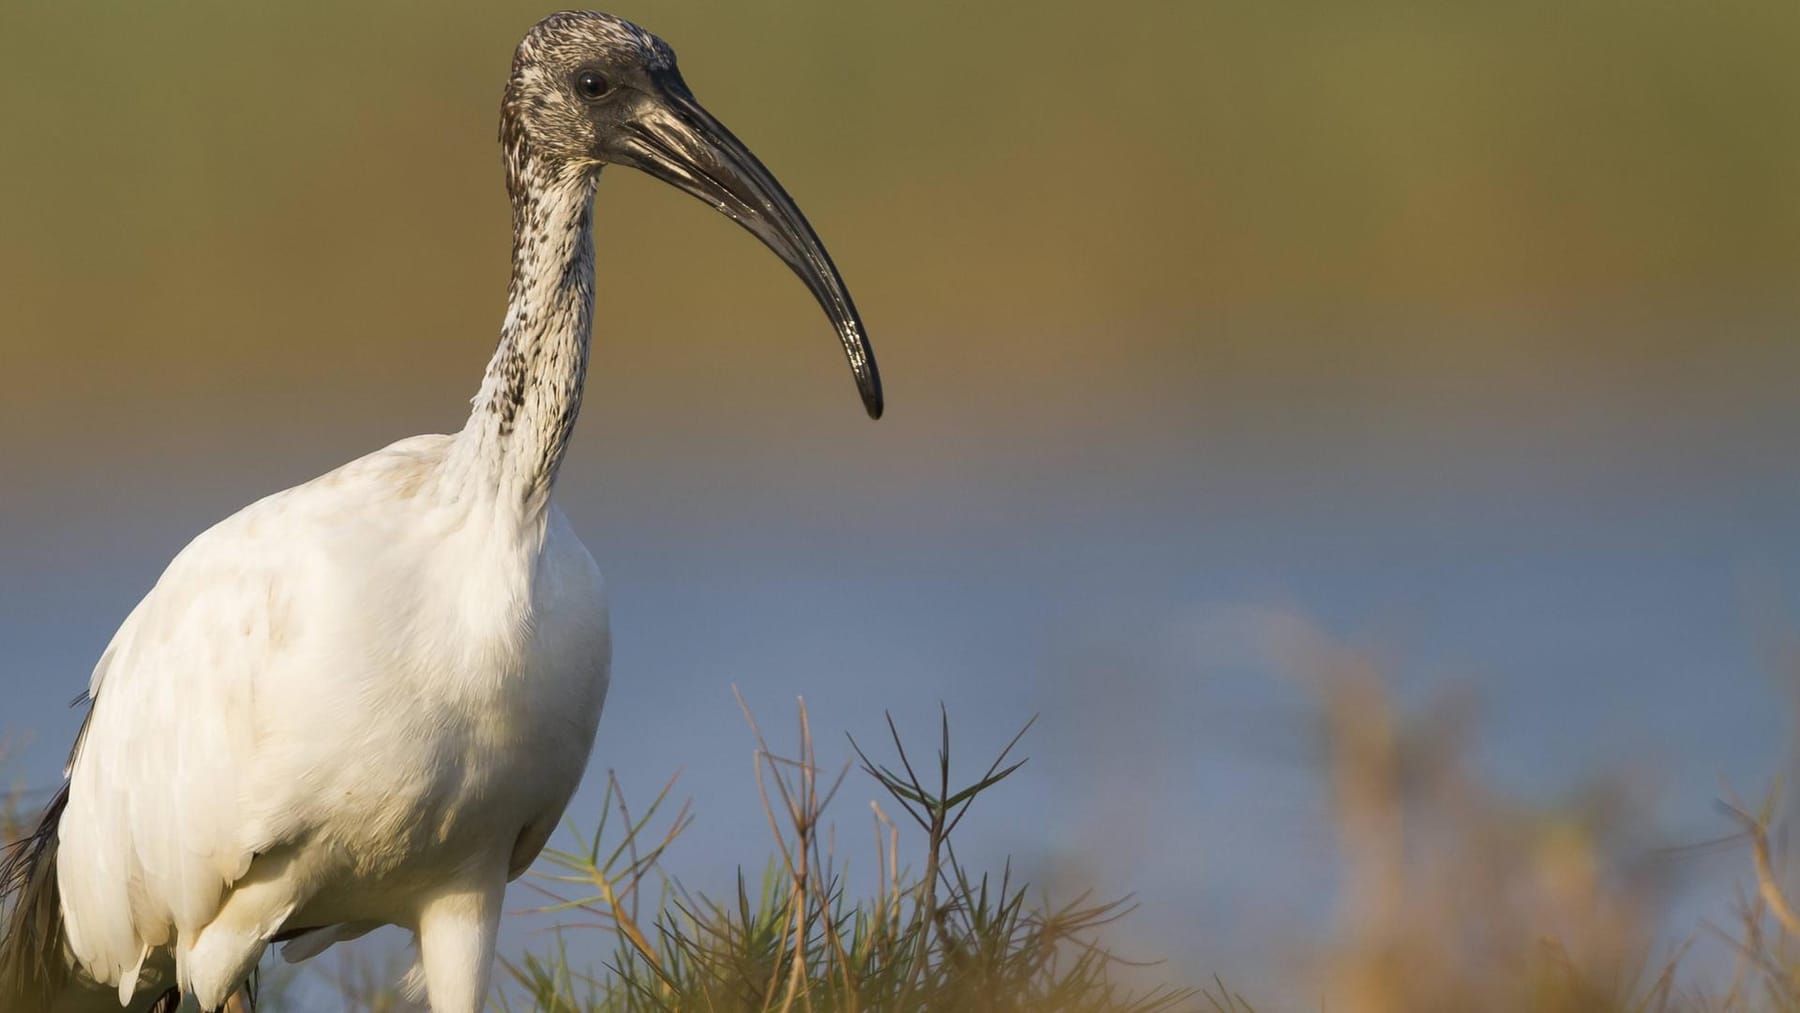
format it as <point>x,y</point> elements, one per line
<point>680,143</point>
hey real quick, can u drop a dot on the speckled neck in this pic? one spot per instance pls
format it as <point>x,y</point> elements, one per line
<point>522,416</point>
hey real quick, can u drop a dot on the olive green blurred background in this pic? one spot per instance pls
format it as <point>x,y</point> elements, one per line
<point>1463,328</point>
<point>1041,207</point>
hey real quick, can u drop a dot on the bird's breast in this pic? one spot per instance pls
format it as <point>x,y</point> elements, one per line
<point>485,724</point>
<point>519,721</point>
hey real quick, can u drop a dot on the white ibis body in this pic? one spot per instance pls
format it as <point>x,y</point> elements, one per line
<point>367,700</point>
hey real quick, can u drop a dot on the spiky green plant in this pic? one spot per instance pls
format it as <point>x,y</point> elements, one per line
<point>945,938</point>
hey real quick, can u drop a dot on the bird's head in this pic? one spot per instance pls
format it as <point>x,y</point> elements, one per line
<point>589,90</point>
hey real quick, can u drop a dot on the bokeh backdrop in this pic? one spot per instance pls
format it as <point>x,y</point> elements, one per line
<point>1466,333</point>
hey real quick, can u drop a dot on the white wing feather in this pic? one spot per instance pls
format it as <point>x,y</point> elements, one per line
<point>155,830</point>
<point>178,780</point>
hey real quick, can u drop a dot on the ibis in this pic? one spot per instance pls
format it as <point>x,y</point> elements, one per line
<point>366,700</point>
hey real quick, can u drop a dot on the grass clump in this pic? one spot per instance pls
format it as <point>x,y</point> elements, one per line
<point>939,938</point>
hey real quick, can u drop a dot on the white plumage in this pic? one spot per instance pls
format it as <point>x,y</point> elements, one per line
<point>367,700</point>
<point>356,684</point>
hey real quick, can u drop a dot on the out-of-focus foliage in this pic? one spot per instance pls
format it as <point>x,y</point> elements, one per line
<point>1066,195</point>
<point>1455,896</point>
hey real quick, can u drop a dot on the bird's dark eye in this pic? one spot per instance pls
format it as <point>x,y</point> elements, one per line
<point>590,85</point>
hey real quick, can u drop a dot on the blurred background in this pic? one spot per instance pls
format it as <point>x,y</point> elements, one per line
<point>1461,337</point>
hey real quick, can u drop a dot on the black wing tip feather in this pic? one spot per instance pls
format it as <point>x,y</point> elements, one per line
<point>31,965</point>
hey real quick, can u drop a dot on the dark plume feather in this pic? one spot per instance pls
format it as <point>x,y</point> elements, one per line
<point>32,968</point>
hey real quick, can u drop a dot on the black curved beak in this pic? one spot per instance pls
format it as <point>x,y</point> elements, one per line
<point>680,143</point>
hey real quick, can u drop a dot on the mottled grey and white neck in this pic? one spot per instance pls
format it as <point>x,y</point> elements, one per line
<point>522,416</point>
